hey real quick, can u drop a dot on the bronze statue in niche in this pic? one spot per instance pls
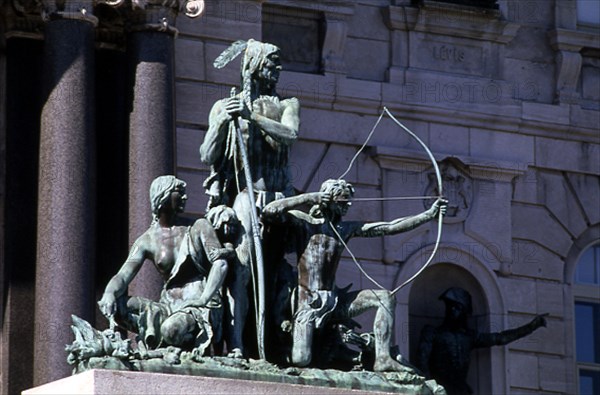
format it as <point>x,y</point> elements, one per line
<point>444,352</point>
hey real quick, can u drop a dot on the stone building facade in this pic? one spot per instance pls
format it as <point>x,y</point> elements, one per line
<point>506,94</point>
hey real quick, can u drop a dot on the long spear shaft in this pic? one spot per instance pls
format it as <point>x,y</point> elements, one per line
<point>255,244</point>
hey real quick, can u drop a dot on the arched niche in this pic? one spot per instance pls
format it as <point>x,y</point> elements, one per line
<point>419,303</point>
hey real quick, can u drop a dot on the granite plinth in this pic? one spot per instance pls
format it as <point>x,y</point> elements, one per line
<point>99,381</point>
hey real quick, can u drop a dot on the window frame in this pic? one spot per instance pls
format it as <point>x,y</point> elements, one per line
<point>584,293</point>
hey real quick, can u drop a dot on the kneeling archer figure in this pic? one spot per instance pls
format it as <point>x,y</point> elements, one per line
<point>319,251</point>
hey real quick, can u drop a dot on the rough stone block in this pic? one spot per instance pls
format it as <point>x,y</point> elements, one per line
<point>531,81</point>
<point>523,370</point>
<point>313,90</point>
<point>587,119</point>
<point>519,295</point>
<point>579,157</point>
<point>195,99</point>
<point>550,298</point>
<point>525,187</point>
<point>525,46</point>
<point>555,193</point>
<point>332,166</point>
<point>532,260</point>
<point>346,128</point>
<point>366,59</point>
<point>305,161</point>
<point>449,139</point>
<point>537,224</point>
<point>591,83</point>
<point>359,89</point>
<point>534,12</point>
<point>553,113</point>
<point>489,220</point>
<point>507,147</point>
<point>367,22</point>
<point>368,171</point>
<point>388,134</point>
<point>189,59</point>
<point>188,143</point>
<point>587,189</point>
<point>553,374</point>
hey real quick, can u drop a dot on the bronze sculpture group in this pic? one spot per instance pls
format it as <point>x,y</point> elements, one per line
<point>221,268</point>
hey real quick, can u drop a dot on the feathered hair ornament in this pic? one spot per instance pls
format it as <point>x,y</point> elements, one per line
<point>230,53</point>
<point>255,53</point>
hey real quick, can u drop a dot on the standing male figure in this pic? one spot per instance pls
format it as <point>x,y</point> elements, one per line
<point>269,126</point>
<point>321,235</point>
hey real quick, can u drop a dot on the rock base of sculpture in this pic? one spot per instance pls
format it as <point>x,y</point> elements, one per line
<point>228,375</point>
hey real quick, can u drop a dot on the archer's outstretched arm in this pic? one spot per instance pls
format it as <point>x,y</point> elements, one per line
<point>399,225</point>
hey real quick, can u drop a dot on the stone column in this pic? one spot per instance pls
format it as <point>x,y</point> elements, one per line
<point>66,226</point>
<point>152,122</point>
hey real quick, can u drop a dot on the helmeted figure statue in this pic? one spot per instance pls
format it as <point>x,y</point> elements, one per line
<point>269,126</point>
<point>444,352</point>
<point>193,265</point>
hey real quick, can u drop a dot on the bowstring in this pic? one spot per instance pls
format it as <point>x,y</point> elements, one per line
<point>363,146</point>
<point>405,283</point>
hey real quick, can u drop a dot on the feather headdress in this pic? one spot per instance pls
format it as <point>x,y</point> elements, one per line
<point>230,53</point>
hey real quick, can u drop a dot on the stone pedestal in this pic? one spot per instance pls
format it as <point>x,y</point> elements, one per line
<point>119,382</point>
<point>65,236</point>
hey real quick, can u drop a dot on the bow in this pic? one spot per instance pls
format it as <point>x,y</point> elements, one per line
<point>440,194</point>
<point>438,177</point>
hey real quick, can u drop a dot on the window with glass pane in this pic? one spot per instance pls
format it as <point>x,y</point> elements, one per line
<point>589,382</point>
<point>588,268</point>
<point>586,291</point>
<point>587,328</point>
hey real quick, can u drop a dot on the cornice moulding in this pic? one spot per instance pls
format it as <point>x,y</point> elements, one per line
<point>573,40</point>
